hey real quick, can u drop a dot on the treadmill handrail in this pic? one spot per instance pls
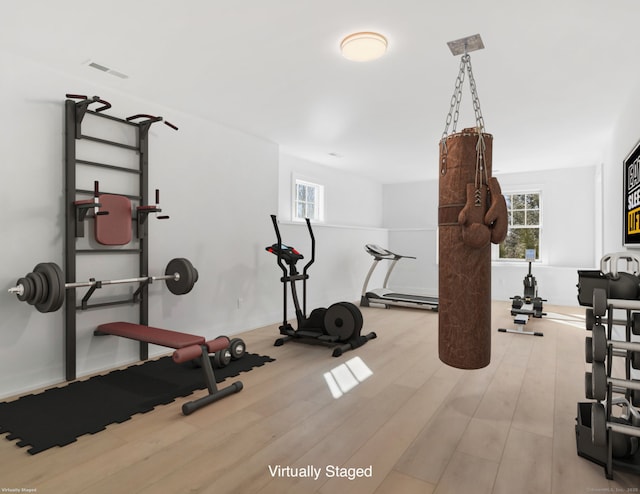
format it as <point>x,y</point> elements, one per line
<point>380,252</point>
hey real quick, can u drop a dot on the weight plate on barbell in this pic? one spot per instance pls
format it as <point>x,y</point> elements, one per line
<point>36,293</point>
<point>27,289</point>
<point>188,276</point>
<point>45,287</point>
<point>55,287</point>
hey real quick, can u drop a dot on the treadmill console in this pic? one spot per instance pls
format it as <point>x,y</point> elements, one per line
<point>377,251</point>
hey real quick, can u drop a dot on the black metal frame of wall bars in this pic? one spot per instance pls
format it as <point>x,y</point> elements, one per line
<point>75,111</point>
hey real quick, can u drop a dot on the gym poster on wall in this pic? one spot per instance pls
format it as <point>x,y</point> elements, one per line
<point>631,195</point>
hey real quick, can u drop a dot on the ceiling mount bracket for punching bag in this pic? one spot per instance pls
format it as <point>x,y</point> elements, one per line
<point>465,45</point>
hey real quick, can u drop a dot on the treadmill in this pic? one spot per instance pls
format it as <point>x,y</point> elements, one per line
<point>384,295</point>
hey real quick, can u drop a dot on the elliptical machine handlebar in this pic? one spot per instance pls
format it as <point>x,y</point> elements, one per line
<point>313,247</point>
<point>275,227</point>
<point>274,220</point>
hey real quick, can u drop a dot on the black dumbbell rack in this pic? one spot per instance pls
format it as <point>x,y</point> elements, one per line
<point>595,423</point>
<point>76,110</point>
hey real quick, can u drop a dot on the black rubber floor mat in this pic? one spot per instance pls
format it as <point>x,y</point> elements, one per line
<point>57,416</point>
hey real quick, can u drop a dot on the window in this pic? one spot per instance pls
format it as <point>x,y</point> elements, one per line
<point>308,201</point>
<point>525,216</point>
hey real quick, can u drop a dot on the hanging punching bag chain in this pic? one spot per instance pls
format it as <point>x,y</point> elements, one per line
<point>454,113</point>
<point>474,96</point>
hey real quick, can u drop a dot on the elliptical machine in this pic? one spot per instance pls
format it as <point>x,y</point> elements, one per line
<point>338,326</point>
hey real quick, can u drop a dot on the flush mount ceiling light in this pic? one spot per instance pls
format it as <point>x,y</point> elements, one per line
<point>364,46</point>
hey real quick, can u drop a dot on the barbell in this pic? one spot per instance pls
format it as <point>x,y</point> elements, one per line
<point>45,287</point>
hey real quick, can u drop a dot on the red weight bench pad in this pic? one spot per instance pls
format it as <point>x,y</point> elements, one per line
<point>113,228</point>
<point>148,334</point>
<point>188,347</point>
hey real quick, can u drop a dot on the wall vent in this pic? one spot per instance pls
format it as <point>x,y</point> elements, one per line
<point>104,68</point>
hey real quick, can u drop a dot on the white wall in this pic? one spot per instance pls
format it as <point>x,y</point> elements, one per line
<point>568,236</point>
<point>219,220</point>
<point>349,199</point>
<point>353,218</point>
<point>411,215</point>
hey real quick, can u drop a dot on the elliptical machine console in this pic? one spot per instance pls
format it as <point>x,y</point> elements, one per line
<point>338,326</point>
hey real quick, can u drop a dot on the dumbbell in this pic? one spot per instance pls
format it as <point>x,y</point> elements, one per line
<point>601,303</point>
<point>600,381</point>
<point>623,435</point>
<point>590,321</point>
<point>234,351</point>
<point>600,343</point>
<point>588,353</point>
<point>237,348</point>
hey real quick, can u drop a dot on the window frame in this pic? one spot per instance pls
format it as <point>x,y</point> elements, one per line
<point>524,191</point>
<point>318,204</point>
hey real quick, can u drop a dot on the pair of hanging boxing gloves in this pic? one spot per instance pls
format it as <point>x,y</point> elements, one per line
<point>481,224</point>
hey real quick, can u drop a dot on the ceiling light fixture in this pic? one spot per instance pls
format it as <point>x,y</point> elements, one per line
<point>363,46</point>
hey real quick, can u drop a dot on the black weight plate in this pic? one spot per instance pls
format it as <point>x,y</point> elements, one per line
<point>62,291</point>
<point>36,293</point>
<point>635,397</point>
<point>54,287</point>
<point>635,360</point>
<point>635,327</point>
<point>599,381</point>
<point>599,302</point>
<point>27,289</point>
<point>588,350</point>
<point>45,287</point>
<point>237,348</point>
<point>590,319</point>
<point>222,358</point>
<point>598,424</point>
<point>599,343</point>
<point>588,385</point>
<point>187,276</point>
<point>339,321</point>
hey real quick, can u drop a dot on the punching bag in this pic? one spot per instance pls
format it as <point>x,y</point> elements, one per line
<point>465,235</point>
<point>472,214</point>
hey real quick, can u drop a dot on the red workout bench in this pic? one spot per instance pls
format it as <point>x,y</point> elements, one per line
<point>187,347</point>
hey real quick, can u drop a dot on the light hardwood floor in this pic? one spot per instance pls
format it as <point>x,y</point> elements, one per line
<point>421,426</point>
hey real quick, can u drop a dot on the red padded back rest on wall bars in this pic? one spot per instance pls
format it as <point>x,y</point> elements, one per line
<point>113,228</point>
